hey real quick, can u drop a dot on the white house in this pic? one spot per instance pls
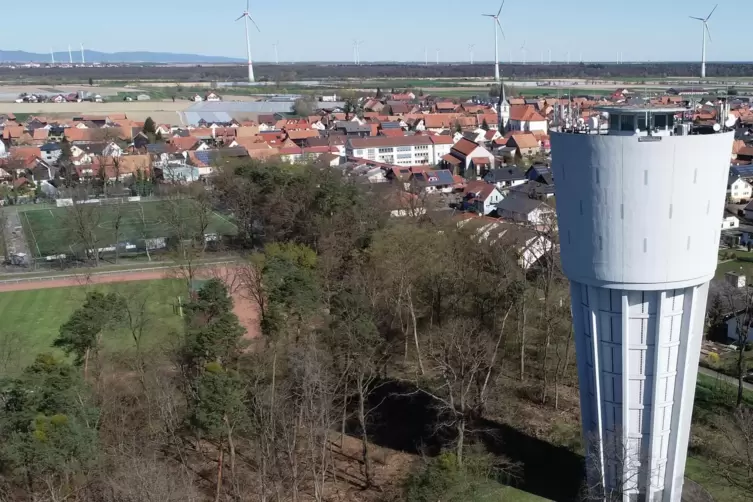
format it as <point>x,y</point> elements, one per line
<point>730,222</point>
<point>481,197</point>
<point>211,96</point>
<point>112,150</point>
<point>732,325</point>
<point>526,118</point>
<point>738,189</point>
<point>525,210</point>
<point>197,98</point>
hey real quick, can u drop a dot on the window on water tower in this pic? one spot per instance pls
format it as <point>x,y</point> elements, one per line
<point>627,123</point>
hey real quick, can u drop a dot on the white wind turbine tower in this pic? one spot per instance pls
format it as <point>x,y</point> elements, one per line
<point>277,58</point>
<point>246,17</point>
<point>495,17</point>
<point>70,55</point>
<point>704,32</point>
<point>83,59</point>
<point>523,51</point>
<point>438,56</point>
<point>52,56</point>
<point>470,51</point>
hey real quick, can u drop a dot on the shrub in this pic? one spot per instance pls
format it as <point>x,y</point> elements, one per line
<point>713,358</point>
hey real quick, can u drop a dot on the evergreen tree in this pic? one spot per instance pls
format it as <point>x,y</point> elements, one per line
<point>47,425</point>
<point>81,334</point>
<point>213,333</point>
<point>149,127</point>
<point>485,125</point>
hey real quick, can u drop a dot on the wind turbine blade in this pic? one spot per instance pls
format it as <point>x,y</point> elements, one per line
<point>500,29</point>
<point>708,32</point>
<point>488,15</point>
<point>248,5</point>
<point>696,18</point>
<point>500,8</point>
<point>257,26</point>
<point>712,11</point>
<point>240,17</point>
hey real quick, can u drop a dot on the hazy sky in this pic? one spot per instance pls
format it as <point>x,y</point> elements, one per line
<point>391,29</point>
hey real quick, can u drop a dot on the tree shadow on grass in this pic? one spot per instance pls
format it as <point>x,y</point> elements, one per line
<point>407,420</point>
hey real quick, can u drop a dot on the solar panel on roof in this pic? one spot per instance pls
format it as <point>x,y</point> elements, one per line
<point>204,157</point>
<point>743,171</point>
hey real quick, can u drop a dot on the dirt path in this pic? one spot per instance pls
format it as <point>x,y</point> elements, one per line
<point>243,307</point>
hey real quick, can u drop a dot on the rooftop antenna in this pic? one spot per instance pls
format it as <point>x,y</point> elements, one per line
<point>497,25</point>
<point>704,31</point>
<point>470,51</point>
<point>246,17</point>
<point>83,59</point>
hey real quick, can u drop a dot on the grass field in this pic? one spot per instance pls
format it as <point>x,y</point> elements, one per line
<point>50,231</point>
<point>31,319</point>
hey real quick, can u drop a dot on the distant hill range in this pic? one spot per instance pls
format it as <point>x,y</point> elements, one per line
<point>113,57</point>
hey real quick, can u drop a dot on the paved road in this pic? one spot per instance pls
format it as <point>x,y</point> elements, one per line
<point>729,379</point>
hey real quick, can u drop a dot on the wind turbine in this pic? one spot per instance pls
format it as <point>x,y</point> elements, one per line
<point>246,17</point>
<point>523,50</point>
<point>70,54</point>
<point>277,59</point>
<point>704,32</point>
<point>83,59</point>
<point>438,56</point>
<point>52,56</point>
<point>470,51</point>
<point>426,55</point>
<point>495,17</point>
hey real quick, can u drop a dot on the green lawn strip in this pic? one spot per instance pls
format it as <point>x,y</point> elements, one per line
<point>734,266</point>
<point>35,316</point>
<point>49,228</point>
<point>510,494</point>
<point>700,470</point>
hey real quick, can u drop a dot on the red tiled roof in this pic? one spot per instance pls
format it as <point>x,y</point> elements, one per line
<point>184,143</point>
<point>525,114</point>
<point>465,146</point>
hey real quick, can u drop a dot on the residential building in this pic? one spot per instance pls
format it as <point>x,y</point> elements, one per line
<point>738,189</point>
<point>526,118</point>
<point>51,152</point>
<point>404,151</point>
<point>469,159</point>
<point>506,177</point>
<point>522,209</point>
<point>440,180</point>
<point>525,144</point>
<point>481,197</point>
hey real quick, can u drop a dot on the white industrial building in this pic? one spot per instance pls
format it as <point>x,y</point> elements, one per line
<point>638,211</point>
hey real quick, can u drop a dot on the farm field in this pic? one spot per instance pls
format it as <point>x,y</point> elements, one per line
<point>49,231</point>
<point>31,319</point>
<point>160,111</point>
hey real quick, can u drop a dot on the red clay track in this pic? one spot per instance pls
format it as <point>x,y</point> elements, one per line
<point>243,307</point>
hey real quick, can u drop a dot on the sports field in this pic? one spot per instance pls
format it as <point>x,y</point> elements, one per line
<point>31,319</point>
<point>51,232</point>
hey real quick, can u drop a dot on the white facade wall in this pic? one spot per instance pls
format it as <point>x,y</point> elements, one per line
<point>639,234</point>
<point>740,190</point>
